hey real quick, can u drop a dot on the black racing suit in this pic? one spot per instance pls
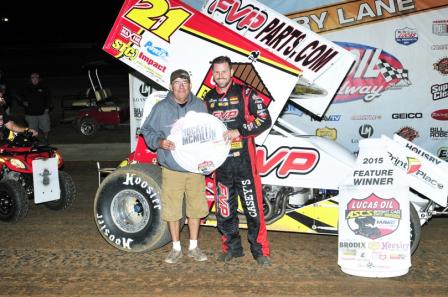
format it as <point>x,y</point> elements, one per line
<point>240,108</point>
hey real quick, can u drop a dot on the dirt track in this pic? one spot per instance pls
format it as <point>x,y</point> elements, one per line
<point>61,253</point>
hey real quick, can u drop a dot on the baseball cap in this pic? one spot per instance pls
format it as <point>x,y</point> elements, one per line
<point>179,73</point>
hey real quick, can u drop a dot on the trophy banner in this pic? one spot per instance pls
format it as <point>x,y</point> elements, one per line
<point>200,145</point>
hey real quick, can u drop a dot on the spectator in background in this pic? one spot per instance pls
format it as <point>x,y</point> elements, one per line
<point>37,102</point>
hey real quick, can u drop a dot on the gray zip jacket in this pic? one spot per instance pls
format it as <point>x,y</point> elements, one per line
<point>158,125</point>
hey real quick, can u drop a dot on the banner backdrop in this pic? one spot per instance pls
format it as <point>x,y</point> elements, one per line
<point>399,83</point>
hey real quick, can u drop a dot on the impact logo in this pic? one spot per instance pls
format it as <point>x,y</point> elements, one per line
<point>406,36</point>
<point>373,217</point>
<point>441,66</point>
<point>375,71</point>
<point>156,51</point>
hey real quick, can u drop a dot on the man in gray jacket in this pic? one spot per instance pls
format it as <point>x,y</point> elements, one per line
<point>176,181</point>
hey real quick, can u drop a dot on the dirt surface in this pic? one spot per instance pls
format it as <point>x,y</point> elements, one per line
<point>53,253</point>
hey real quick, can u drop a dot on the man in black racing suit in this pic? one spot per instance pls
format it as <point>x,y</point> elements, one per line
<point>243,112</point>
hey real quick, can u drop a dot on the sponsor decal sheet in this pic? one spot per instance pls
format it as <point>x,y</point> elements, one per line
<point>399,82</point>
<point>156,37</point>
<point>374,215</point>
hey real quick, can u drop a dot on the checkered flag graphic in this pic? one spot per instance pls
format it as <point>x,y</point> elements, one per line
<point>390,73</point>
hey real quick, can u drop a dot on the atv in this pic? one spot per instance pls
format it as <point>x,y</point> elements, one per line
<point>23,177</point>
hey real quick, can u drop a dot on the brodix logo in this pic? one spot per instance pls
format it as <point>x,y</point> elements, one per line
<point>375,71</point>
<point>287,160</point>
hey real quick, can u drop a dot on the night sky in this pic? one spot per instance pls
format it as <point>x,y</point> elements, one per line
<point>54,37</point>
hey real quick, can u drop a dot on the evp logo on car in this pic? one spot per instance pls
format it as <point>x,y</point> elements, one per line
<point>374,72</point>
<point>286,161</point>
<point>440,115</point>
<point>155,50</point>
<point>406,36</point>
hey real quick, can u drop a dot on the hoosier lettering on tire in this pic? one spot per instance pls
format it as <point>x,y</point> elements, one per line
<point>127,209</point>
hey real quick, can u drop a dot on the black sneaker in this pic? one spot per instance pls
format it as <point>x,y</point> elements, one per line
<point>264,261</point>
<point>226,257</point>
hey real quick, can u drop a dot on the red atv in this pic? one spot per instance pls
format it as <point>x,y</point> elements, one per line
<point>32,171</point>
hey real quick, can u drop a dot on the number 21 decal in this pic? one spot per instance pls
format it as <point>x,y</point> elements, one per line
<point>157,17</point>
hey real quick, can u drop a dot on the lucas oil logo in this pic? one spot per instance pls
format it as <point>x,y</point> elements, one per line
<point>373,217</point>
<point>406,36</point>
<point>374,72</point>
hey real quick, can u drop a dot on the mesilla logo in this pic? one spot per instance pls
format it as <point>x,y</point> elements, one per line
<point>286,161</point>
<point>441,115</point>
<point>374,72</point>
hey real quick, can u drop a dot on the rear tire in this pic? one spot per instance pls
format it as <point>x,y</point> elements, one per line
<point>128,209</point>
<point>68,193</point>
<point>14,203</point>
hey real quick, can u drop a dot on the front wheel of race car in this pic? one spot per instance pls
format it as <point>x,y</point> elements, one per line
<point>127,209</point>
<point>416,228</point>
<point>68,193</point>
<point>13,201</point>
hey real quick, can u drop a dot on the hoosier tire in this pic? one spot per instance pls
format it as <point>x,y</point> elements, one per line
<point>127,209</point>
<point>14,203</point>
<point>68,193</point>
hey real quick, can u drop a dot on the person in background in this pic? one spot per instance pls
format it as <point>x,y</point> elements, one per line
<point>7,125</point>
<point>176,181</point>
<point>241,109</point>
<point>37,101</point>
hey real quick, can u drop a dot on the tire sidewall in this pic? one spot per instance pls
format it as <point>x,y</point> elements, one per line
<point>135,178</point>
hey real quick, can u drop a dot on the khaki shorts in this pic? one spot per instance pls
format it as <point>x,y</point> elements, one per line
<point>174,185</point>
<point>39,122</point>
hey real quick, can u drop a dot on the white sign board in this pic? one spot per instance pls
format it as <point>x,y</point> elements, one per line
<point>199,142</point>
<point>374,223</point>
<point>46,180</point>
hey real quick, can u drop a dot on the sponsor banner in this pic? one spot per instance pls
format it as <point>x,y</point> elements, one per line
<point>323,63</point>
<point>158,37</point>
<point>392,87</point>
<point>374,218</point>
<point>200,146</point>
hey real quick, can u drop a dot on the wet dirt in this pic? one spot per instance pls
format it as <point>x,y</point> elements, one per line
<point>61,253</point>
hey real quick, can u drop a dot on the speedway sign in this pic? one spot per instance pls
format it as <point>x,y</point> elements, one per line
<point>156,37</point>
<point>323,63</point>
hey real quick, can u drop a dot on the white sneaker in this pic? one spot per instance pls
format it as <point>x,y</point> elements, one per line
<point>173,256</point>
<point>197,255</point>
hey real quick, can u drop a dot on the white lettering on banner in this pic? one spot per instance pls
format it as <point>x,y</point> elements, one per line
<point>124,242</point>
<point>364,12</point>
<point>249,198</point>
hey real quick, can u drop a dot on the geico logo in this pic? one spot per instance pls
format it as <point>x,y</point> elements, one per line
<point>411,115</point>
<point>286,161</point>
